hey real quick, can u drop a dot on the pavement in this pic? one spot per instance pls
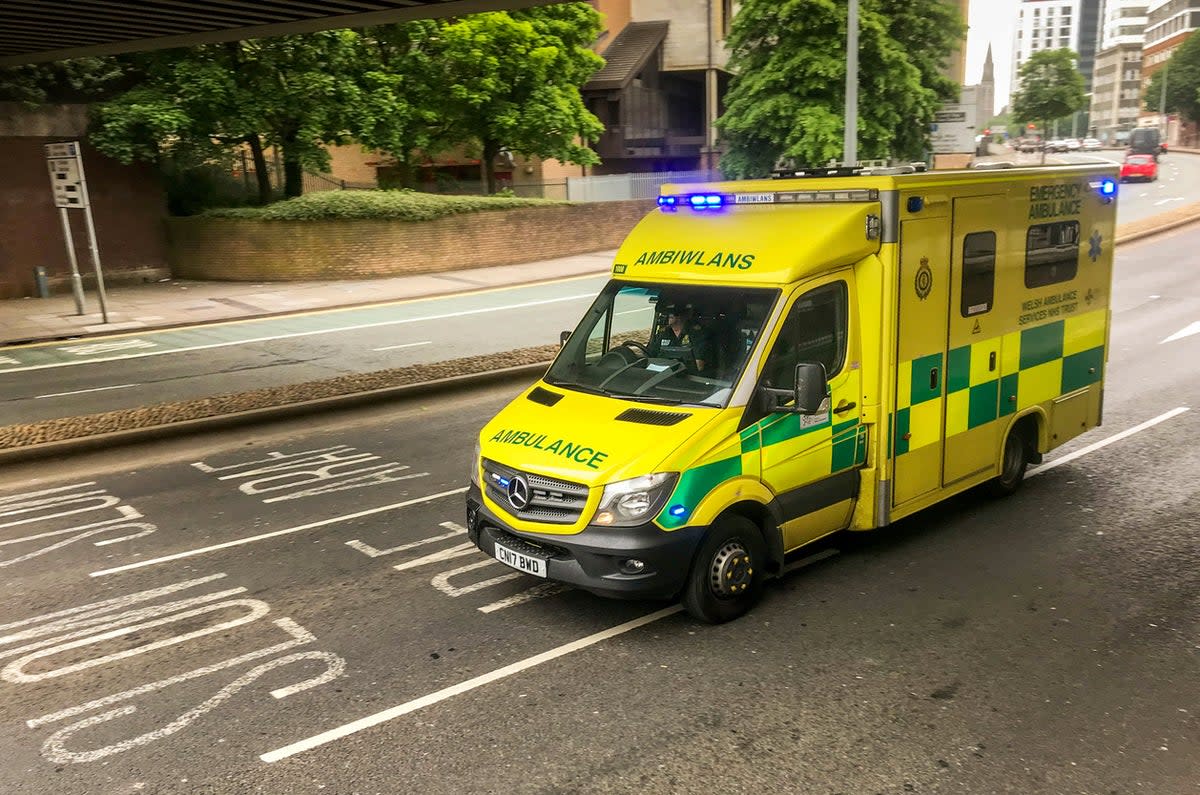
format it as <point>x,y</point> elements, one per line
<point>178,302</point>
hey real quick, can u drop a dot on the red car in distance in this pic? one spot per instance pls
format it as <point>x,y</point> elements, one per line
<point>1142,167</point>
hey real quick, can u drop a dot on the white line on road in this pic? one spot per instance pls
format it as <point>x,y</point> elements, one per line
<point>405,345</point>
<point>1184,332</point>
<point>251,539</point>
<point>314,332</point>
<point>1091,448</point>
<point>462,687</point>
<point>353,727</point>
<point>82,391</point>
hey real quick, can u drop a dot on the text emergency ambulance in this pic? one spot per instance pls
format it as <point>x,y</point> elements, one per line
<point>871,344</point>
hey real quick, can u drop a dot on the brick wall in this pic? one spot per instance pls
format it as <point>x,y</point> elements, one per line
<point>128,205</point>
<point>244,250</point>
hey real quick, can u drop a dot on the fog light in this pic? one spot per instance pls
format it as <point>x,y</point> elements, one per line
<point>632,566</point>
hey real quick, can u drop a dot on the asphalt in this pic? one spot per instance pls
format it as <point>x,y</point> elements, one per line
<point>173,303</point>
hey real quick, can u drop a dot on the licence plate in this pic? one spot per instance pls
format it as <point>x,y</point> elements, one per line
<point>520,561</point>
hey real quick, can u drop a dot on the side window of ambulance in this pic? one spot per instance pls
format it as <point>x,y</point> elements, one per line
<point>815,331</point>
<point>978,273</point>
<point>1051,253</point>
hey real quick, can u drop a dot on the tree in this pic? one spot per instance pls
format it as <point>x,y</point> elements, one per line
<point>512,80</point>
<point>58,81</point>
<point>1050,87</point>
<point>1182,73</point>
<point>787,98</point>
<point>291,92</point>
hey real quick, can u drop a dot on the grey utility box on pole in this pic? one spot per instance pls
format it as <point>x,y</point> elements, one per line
<point>69,185</point>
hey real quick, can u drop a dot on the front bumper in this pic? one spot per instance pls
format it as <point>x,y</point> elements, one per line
<point>591,559</point>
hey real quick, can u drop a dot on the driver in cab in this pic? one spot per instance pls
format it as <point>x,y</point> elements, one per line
<point>682,340</point>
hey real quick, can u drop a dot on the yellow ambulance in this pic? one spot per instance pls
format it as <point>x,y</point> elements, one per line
<point>776,360</point>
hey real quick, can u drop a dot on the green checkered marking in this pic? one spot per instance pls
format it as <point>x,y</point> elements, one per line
<point>1042,344</point>
<point>750,439</point>
<point>1076,368</point>
<point>1008,386</point>
<point>920,388</point>
<point>982,405</point>
<point>849,445</point>
<point>694,484</point>
<point>958,369</point>
<point>901,431</point>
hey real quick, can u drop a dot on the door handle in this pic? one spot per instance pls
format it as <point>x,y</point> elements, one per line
<point>933,378</point>
<point>992,361</point>
<point>844,407</point>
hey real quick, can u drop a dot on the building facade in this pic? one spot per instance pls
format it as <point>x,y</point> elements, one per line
<point>1117,74</point>
<point>1055,24</point>
<point>1168,24</point>
<point>662,85</point>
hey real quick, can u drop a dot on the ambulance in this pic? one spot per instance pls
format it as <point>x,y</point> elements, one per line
<point>846,347</point>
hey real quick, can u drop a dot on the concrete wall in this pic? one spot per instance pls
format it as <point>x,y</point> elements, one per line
<point>692,22</point>
<point>244,250</point>
<point>128,205</point>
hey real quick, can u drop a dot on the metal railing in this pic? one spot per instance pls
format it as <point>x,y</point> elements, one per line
<point>624,187</point>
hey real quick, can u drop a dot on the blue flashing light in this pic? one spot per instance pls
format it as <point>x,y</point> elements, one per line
<point>667,201</point>
<point>677,511</point>
<point>1108,187</point>
<point>706,201</point>
<point>503,481</point>
<point>697,200</point>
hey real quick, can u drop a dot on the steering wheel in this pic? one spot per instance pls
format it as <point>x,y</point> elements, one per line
<point>636,347</point>
<point>625,355</point>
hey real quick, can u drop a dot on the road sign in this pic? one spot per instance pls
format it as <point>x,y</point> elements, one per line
<point>953,129</point>
<point>66,175</point>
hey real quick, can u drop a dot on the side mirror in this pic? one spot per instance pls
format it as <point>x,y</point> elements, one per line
<point>563,336</point>
<point>811,387</point>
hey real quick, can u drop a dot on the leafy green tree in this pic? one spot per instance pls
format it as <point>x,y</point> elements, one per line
<point>59,81</point>
<point>512,80</point>
<point>1182,73</point>
<point>1049,87</point>
<point>787,98</point>
<point>290,92</point>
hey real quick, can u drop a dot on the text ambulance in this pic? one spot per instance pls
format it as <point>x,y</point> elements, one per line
<point>777,360</point>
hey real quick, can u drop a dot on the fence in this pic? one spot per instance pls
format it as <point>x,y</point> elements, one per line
<point>623,187</point>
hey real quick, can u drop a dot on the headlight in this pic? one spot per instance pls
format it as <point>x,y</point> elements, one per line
<point>475,463</point>
<point>631,502</point>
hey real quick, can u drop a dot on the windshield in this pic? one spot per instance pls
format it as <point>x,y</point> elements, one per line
<point>664,343</point>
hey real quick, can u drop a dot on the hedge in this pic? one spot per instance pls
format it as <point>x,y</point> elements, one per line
<point>399,205</point>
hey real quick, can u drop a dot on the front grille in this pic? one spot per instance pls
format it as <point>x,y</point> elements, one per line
<point>551,501</point>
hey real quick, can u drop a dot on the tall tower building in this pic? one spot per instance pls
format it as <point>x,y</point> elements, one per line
<point>1168,24</point>
<point>1053,25</point>
<point>1116,79</point>
<point>985,94</point>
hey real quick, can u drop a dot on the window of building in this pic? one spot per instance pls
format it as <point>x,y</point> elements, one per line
<point>1051,253</point>
<point>978,273</point>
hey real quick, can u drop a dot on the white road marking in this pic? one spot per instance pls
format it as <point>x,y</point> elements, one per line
<point>354,727</point>
<point>275,534</point>
<point>109,347</point>
<point>441,695</point>
<point>437,557</point>
<point>1186,332</point>
<point>84,391</point>
<point>1167,201</point>
<point>314,332</point>
<point>299,637</point>
<point>54,747</point>
<point>372,552</point>
<point>1091,448</point>
<point>442,581</point>
<point>8,360</point>
<point>528,595</point>
<point>405,345</point>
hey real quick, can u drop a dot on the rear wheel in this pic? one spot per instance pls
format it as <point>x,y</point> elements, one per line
<point>1012,470</point>
<point>727,573</point>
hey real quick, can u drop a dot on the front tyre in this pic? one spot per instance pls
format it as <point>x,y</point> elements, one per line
<point>727,572</point>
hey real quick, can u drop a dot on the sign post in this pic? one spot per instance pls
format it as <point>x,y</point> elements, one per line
<point>69,184</point>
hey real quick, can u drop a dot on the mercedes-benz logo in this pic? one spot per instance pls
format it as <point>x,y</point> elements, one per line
<point>518,492</point>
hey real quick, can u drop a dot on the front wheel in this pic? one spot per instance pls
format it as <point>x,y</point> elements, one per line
<point>727,573</point>
<point>1012,470</point>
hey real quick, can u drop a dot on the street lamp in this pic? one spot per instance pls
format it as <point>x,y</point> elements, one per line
<point>850,134</point>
